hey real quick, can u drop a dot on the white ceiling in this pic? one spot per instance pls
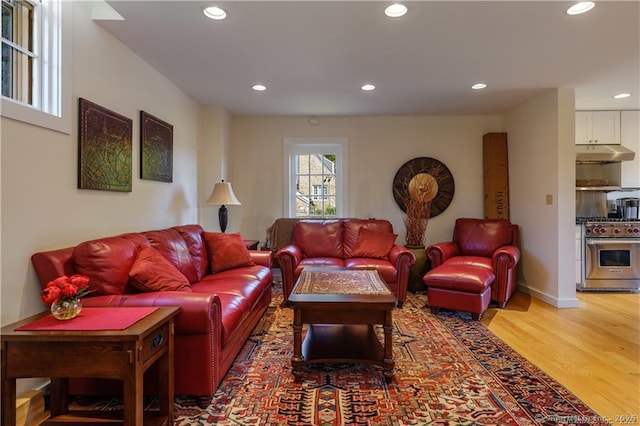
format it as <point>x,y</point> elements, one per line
<point>314,55</point>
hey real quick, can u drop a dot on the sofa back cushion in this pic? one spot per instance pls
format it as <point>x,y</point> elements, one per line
<point>192,235</point>
<point>352,229</point>
<point>172,246</point>
<point>319,238</point>
<point>481,237</point>
<point>107,262</point>
<point>374,244</point>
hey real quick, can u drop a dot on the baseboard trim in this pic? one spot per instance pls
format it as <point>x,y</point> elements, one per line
<point>561,303</point>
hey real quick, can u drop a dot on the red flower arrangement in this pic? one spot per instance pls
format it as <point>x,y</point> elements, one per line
<point>65,289</point>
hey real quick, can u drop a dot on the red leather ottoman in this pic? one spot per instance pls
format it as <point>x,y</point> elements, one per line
<point>458,287</point>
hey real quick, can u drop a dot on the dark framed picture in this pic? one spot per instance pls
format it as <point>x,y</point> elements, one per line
<point>105,141</point>
<point>156,148</point>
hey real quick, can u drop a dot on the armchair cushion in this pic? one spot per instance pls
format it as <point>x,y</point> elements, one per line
<point>151,271</point>
<point>319,238</point>
<point>481,237</point>
<point>226,251</point>
<point>373,244</point>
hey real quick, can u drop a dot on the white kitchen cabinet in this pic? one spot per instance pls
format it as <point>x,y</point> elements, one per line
<point>630,138</point>
<point>601,127</point>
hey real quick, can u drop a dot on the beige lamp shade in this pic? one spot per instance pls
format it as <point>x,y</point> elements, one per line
<point>222,194</point>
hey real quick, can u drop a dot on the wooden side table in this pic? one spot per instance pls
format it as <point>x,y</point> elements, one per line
<point>116,354</point>
<point>251,244</point>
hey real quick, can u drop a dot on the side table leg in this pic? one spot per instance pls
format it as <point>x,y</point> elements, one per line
<point>8,401</point>
<point>388,363</point>
<point>59,396</point>
<point>297,360</point>
<point>133,390</point>
<point>166,380</point>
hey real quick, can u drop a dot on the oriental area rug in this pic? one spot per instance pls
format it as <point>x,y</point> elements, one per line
<point>450,370</point>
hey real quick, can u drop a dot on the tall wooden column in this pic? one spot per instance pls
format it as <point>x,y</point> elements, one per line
<point>495,176</point>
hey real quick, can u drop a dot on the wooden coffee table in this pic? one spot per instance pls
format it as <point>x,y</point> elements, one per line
<point>118,354</point>
<point>341,307</point>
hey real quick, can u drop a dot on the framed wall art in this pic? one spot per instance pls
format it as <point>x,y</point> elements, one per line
<point>156,148</point>
<point>105,148</point>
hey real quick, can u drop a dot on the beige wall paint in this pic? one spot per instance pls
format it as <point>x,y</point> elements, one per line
<point>41,206</point>
<point>541,163</point>
<point>377,147</point>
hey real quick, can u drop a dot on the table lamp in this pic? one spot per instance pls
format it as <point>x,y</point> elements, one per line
<point>223,195</point>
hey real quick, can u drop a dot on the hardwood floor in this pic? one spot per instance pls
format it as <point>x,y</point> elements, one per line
<point>592,350</point>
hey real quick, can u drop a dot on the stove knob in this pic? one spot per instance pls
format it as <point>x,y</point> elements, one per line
<point>616,230</point>
<point>636,230</point>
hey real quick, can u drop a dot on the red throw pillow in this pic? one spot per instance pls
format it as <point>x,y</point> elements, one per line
<point>226,251</point>
<point>374,244</point>
<point>151,271</point>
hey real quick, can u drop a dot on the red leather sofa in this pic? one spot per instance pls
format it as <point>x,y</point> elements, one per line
<point>478,266</point>
<point>223,291</point>
<point>352,243</point>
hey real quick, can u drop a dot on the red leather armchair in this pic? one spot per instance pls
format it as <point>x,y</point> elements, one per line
<point>479,244</point>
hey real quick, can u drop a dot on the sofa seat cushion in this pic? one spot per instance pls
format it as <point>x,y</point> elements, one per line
<point>479,262</point>
<point>387,271</point>
<point>464,278</point>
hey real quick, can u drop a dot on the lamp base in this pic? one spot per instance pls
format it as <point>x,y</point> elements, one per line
<point>223,216</point>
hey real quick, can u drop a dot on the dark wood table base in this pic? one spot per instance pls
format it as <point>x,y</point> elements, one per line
<point>341,326</point>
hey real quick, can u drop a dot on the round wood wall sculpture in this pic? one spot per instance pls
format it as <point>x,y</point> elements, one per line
<point>414,179</point>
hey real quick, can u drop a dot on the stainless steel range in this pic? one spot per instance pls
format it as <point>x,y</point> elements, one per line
<point>612,255</point>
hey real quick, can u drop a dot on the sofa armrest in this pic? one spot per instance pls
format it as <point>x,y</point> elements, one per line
<point>403,259</point>
<point>440,252</point>
<point>197,315</point>
<point>288,259</point>
<point>509,256</point>
<point>262,258</point>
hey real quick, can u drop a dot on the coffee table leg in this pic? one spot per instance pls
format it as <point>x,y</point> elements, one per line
<point>297,360</point>
<point>388,363</point>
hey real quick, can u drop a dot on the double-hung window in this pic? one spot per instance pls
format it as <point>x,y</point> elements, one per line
<point>36,50</point>
<point>314,177</point>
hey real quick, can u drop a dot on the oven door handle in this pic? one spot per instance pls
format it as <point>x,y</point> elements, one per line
<point>594,241</point>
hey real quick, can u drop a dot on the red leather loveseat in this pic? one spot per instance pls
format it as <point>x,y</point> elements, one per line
<point>351,243</point>
<point>222,288</point>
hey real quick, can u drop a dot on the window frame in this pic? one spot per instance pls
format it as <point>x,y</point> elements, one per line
<point>314,145</point>
<point>52,76</point>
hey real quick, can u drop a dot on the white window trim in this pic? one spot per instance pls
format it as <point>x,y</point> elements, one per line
<point>315,145</point>
<point>60,69</point>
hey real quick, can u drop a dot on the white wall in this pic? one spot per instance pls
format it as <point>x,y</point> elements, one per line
<point>41,205</point>
<point>377,147</point>
<point>542,163</point>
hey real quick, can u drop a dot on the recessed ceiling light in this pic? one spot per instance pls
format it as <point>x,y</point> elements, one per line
<point>395,10</point>
<point>580,7</point>
<point>368,87</point>
<point>622,95</point>
<point>214,12</point>
<point>478,86</point>
<point>259,87</point>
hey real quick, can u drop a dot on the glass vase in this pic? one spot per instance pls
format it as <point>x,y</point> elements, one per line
<point>66,309</point>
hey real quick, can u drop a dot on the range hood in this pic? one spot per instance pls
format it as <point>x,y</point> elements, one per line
<point>600,154</point>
